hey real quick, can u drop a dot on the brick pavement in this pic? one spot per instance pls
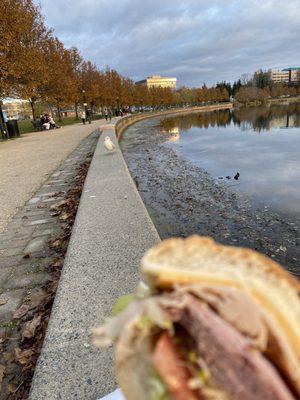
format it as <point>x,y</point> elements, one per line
<point>24,249</point>
<point>25,163</point>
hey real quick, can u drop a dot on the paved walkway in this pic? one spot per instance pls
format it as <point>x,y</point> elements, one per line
<point>110,235</point>
<point>25,254</point>
<point>26,163</point>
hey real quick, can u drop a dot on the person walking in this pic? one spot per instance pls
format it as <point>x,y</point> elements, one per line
<point>106,113</point>
<point>109,114</point>
<point>89,115</point>
<point>83,117</point>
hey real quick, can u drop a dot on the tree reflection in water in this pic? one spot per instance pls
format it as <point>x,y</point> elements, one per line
<point>256,118</point>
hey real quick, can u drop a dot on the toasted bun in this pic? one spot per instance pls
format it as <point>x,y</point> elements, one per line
<point>200,260</point>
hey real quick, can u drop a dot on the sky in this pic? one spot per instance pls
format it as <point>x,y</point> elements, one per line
<point>194,40</point>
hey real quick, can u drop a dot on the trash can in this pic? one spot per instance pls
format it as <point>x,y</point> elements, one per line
<point>13,128</point>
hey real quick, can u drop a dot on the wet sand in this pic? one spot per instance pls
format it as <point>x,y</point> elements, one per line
<point>184,199</point>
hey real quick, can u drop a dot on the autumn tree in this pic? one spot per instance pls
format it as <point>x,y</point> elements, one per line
<point>77,63</point>
<point>22,63</point>
<point>90,83</point>
<point>141,95</point>
<point>127,91</point>
<point>248,94</point>
<point>15,23</point>
<point>60,88</point>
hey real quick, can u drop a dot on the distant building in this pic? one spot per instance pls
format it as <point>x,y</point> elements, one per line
<point>157,80</point>
<point>16,108</point>
<point>67,112</point>
<point>286,75</point>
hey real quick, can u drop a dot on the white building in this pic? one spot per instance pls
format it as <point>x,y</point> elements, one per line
<point>285,75</point>
<point>16,107</point>
<point>157,80</point>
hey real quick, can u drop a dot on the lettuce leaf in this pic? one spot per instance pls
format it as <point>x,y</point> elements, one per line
<point>122,303</point>
<point>158,388</point>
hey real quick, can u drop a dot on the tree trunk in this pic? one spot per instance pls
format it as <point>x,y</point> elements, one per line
<point>51,109</point>
<point>32,108</point>
<point>76,110</point>
<point>58,112</point>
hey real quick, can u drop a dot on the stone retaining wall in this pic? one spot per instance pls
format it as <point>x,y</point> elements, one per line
<point>123,123</point>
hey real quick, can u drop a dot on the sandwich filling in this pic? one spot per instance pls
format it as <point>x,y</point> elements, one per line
<point>206,343</point>
<point>207,358</point>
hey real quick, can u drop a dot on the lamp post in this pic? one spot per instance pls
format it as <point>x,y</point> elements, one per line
<point>84,102</point>
<point>118,105</point>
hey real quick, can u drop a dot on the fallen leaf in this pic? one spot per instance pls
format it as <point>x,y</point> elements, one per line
<point>67,202</point>
<point>56,244</point>
<point>2,370</point>
<point>58,263</point>
<point>21,311</point>
<point>55,213</point>
<point>2,302</point>
<point>65,216</point>
<point>8,356</point>
<point>37,298</point>
<point>56,194</point>
<point>282,248</point>
<point>30,327</point>
<point>52,286</point>
<point>11,388</point>
<point>23,356</point>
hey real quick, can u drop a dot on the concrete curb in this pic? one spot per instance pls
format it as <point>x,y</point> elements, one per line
<point>111,232</point>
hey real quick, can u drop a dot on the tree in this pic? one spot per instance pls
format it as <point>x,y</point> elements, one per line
<point>60,88</point>
<point>224,85</point>
<point>236,86</point>
<point>23,35</point>
<point>188,96</point>
<point>262,79</point>
<point>141,95</point>
<point>245,79</point>
<point>247,94</point>
<point>77,61</point>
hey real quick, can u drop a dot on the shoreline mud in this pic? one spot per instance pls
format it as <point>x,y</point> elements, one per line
<point>184,199</point>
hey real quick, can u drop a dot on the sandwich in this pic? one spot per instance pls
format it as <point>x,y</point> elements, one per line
<point>219,323</point>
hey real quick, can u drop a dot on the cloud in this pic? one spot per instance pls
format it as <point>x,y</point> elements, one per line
<point>195,40</point>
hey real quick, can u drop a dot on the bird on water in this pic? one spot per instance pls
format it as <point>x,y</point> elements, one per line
<point>236,176</point>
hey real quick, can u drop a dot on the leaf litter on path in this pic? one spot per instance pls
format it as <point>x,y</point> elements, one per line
<point>32,317</point>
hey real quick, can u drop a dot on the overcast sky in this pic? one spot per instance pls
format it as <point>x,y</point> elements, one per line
<point>194,40</point>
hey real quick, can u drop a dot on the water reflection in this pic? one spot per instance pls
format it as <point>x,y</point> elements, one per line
<point>226,141</point>
<point>255,118</point>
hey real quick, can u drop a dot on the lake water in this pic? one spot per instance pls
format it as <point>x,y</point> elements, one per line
<point>177,163</point>
<point>261,143</point>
